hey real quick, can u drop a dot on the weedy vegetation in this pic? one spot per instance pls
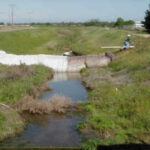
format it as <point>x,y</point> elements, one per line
<point>17,82</point>
<point>56,103</point>
<point>118,105</point>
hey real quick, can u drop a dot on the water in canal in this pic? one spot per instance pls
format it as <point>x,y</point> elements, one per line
<point>56,130</point>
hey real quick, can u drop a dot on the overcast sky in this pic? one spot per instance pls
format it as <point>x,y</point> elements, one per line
<point>73,10</point>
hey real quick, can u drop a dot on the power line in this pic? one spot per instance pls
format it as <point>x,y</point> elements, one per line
<point>12,13</point>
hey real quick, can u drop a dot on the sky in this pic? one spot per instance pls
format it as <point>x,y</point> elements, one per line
<point>72,10</point>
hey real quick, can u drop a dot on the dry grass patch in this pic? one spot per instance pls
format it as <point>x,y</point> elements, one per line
<point>13,72</point>
<point>60,103</point>
<point>56,103</point>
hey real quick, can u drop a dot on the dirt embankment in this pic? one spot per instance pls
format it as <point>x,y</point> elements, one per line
<point>94,77</point>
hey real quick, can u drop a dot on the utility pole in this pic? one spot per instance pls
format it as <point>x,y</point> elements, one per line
<point>12,13</point>
<point>1,13</point>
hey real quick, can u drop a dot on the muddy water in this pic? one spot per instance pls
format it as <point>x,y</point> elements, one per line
<point>55,129</point>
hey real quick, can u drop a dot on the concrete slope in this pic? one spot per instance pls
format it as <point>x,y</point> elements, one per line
<point>57,63</point>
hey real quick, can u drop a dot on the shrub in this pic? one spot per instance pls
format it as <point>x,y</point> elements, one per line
<point>56,103</point>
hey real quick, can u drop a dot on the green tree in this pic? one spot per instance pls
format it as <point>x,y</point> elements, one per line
<point>1,23</point>
<point>129,22</point>
<point>119,22</point>
<point>147,20</point>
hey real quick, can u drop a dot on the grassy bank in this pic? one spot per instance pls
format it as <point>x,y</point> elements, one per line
<point>17,82</point>
<point>56,40</point>
<point>10,123</point>
<point>118,107</point>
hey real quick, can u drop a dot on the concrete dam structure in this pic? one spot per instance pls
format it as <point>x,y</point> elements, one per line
<point>56,62</point>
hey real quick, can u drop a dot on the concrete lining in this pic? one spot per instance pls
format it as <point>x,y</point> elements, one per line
<point>57,63</point>
<point>97,60</point>
<point>76,63</point>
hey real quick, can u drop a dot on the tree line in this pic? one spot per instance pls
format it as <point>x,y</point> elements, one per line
<point>120,22</point>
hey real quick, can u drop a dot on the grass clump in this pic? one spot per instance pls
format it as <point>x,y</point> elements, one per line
<point>56,103</point>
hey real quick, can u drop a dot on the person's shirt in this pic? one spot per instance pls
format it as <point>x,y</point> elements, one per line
<point>128,39</point>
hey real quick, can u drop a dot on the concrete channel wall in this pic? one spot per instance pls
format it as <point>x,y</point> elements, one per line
<point>56,62</point>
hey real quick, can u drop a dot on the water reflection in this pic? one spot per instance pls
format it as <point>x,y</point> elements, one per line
<point>67,87</point>
<point>66,76</point>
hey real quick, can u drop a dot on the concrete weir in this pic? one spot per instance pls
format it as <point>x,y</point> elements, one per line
<point>56,62</point>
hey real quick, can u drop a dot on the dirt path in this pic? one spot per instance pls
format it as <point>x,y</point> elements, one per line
<point>17,29</point>
<point>137,34</point>
<point>142,35</point>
